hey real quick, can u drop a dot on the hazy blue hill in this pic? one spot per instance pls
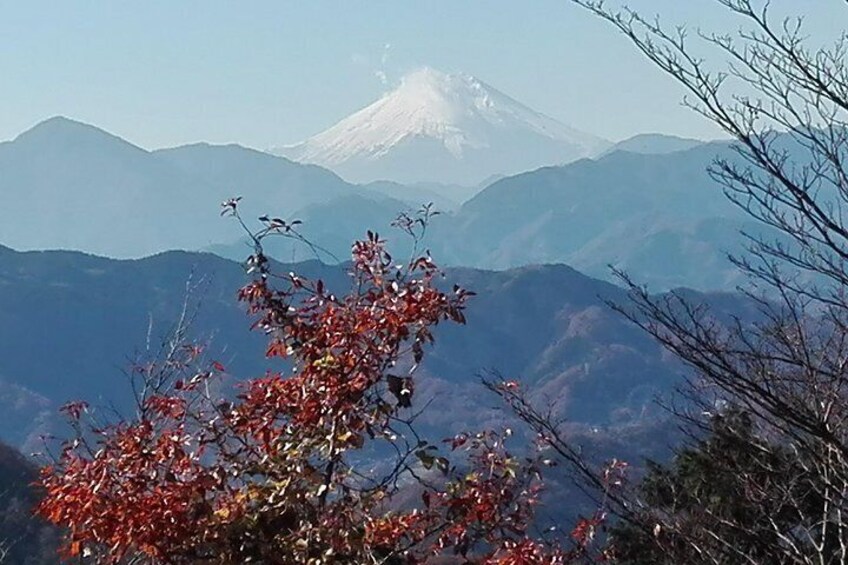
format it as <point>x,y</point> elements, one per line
<point>648,213</point>
<point>595,193</point>
<point>672,254</point>
<point>68,185</point>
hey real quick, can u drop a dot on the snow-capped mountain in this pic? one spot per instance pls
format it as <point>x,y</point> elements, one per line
<point>447,128</point>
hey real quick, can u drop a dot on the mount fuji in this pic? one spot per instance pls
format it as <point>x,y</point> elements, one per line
<point>443,128</point>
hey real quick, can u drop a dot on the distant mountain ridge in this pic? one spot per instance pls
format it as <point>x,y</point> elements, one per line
<point>657,215</point>
<point>547,325</point>
<point>439,127</point>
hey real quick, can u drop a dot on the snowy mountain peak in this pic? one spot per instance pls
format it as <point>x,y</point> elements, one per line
<point>442,127</point>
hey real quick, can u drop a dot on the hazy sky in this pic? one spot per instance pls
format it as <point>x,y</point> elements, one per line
<point>262,73</point>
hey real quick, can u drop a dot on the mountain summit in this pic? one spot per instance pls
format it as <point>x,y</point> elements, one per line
<point>447,128</point>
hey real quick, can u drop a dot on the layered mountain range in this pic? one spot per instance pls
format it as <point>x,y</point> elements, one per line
<point>68,185</point>
<point>73,324</point>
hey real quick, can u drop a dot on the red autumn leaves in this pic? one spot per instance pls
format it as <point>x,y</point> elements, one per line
<point>271,475</point>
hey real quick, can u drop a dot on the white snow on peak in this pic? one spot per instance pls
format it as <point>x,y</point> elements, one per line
<point>457,111</point>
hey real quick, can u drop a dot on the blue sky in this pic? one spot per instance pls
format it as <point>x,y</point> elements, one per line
<point>261,73</point>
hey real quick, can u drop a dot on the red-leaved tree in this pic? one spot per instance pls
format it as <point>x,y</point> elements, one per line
<point>277,473</point>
